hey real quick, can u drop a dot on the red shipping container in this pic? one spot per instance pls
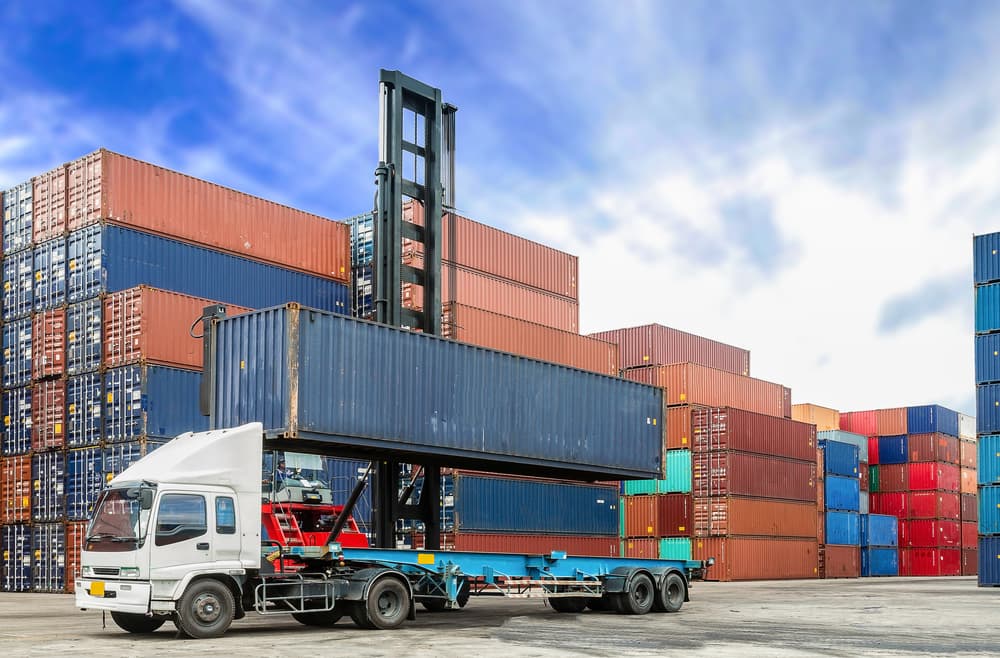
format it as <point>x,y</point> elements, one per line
<point>148,325</point>
<point>15,489</point>
<point>841,561</point>
<point>654,344</point>
<point>755,517</point>
<point>641,516</point>
<point>48,205</point>
<point>970,535</point>
<point>967,484</point>
<point>859,422</point>
<point>757,476</point>
<point>968,454</point>
<point>535,341</point>
<point>929,476</point>
<point>726,428</point>
<point>537,544</point>
<point>970,507</point>
<point>48,415</point>
<point>75,533</point>
<point>933,448</point>
<point>891,503</point>
<point>863,472</point>
<point>894,477</point>
<point>873,451</point>
<point>648,549</point>
<point>930,561</point>
<point>889,422</point>
<point>48,344</point>
<point>933,505</point>
<point>931,533</point>
<point>689,383</point>
<point>106,186</point>
<point>756,558</point>
<point>970,561</point>
<point>675,515</point>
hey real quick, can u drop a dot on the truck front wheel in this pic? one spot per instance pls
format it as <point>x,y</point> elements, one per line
<point>206,609</point>
<point>137,623</point>
<point>387,606</point>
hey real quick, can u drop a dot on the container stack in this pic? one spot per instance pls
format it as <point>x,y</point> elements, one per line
<point>107,264</point>
<point>879,545</point>
<point>986,274</point>
<point>840,549</point>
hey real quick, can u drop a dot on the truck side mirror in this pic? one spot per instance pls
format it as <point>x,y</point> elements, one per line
<point>146,499</point>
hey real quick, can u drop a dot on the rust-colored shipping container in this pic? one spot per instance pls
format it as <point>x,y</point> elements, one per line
<point>48,415</point>
<point>106,186</point>
<point>970,507</point>
<point>690,383</point>
<point>841,561</point>
<point>648,549</point>
<point>823,418</point>
<point>757,517</point>
<point>675,515</point>
<point>893,477</point>
<point>863,472</point>
<point>968,481</point>
<point>48,344</point>
<point>890,422</point>
<point>75,534</point>
<point>654,344</point>
<point>15,489</point>
<point>933,505</point>
<point>968,454</point>
<point>756,558</point>
<point>641,516</point>
<point>489,293</point>
<point>721,429</point>
<point>970,534</point>
<point>970,561</point>
<point>787,402</point>
<point>859,422</point>
<point>48,205</point>
<point>757,476</point>
<point>148,325</point>
<point>821,495</point>
<point>417,541</point>
<point>930,533</point>
<point>930,561</point>
<point>535,341</point>
<point>935,447</point>
<point>679,427</point>
<point>540,544</point>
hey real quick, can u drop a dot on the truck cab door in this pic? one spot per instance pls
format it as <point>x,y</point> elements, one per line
<point>181,538</point>
<point>227,539</point>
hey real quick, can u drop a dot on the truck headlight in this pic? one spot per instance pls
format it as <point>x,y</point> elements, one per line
<point>86,571</point>
<point>129,572</point>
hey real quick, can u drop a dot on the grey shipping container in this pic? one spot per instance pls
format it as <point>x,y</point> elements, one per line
<point>353,387</point>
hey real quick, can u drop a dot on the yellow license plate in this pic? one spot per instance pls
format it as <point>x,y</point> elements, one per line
<point>97,588</point>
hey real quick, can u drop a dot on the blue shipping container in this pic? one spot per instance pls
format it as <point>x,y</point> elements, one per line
<point>18,285</point>
<point>84,336</point>
<point>893,449</point>
<point>840,458</point>
<point>17,421</point>
<point>84,481</point>
<point>505,505</point>
<point>17,353</point>
<point>988,457</point>
<point>120,456</point>
<point>112,258</point>
<point>988,409</point>
<point>988,359</point>
<point>879,562</point>
<point>841,436</point>
<point>986,258</point>
<point>153,401</point>
<point>987,308</point>
<point>48,565</point>
<point>17,211</point>
<point>879,530</point>
<point>84,410</point>
<point>50,274</point>
<point>327,378</point>
<point>931,418</point>
<point>843,528</point>
<point>342,475</point>
<point>15,557</point>
<point>48,471</point>
<point>989,510</point>
<point>842,493</point>
<point>989,561</point>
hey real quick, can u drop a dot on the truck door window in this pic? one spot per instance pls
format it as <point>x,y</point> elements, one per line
<point>181,517</point>
<point>225,516</point>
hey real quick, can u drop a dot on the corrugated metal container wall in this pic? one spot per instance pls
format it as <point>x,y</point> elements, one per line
<point>84,410</point>
<point>498,504</point>
<point>48,415</point>
<point>48,502</point>
<point>107,186</point>
<point>18,285</point>
<point>17,211</point>
<point>970,560</point>
<point>985,258</point>
<point>933,505</point>
<point>645,549</point>
<point>873,485</point>
<point>933,447</point>
<point>448,404</point>
<point>988,466</point>
<point>721,516</point>
<point>930,533</point>
<point>537,544</point>
<point>879,530</point>
<point>840,458</point>
<point>50,275</point>
<point>148,325</point>
<point>742,558</point>
<point>842,561</point>
<point>894,477</point>
<point>675,548</point>
<point>641,516</point>
<point>863,476</point>
<point>84,480</point>
<point>759,476</point>
<point>970,507</point>
<point>112,258</point>
<point>934,475</point>
<point>823,418</point>
<point>679,427</point>
<point>48,208</point>
<point>930,561</point>
<point>967,427</point>
<point>970,534</point>
<point>745,431</point>
<point>989,561</point>
<point>153,401</point>
<point>932,418</point>
<point>988,409</point>
<point>654,344</point>
<point>48,565</point>
<point>15,489</point>
<point>873,459</point>
<point>893,504</point>
<point>987,359</point>
<point>678,480</point>
<point>48,344</point>
<point>863,502</point>
<point>675,515</point>
<point>968,481</point>
<point>893,449</point>
<point>842,436</point>
<point>17,421</point>
<point>890,421</point>
<point>879,562</point>
<point>989,510</point>
<point>119,456</point>
<point>83,336</point>
<point>535,341</point>
<point>843,528</point>
<point>75,536</point>
<point>16,555</point>
<point>987,308</point>
<point>842,493</point>
<point>17,353</point>
<point>689,383</point>
<point>859,422</point>
<point>967,456</point>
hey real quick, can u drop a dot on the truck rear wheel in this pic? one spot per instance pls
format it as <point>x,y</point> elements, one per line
<point>568,603</point>
<point>137,623</point>
<point>206,609</point>
<point>670,594</point>
<point>638,598</point>
<point>387,605</point>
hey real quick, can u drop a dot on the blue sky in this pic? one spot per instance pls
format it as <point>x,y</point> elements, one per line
<point>798,178</point>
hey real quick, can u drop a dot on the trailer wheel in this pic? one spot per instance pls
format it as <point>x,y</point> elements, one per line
<point>638,598</point>
<point>323,619</point>
<point>670,594</point>
<point>387,605</point>
<point>573,604</point>
<point>140,624</point>
<point>206,609</point>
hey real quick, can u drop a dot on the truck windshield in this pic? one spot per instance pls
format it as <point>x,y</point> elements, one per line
<point>120,519</point>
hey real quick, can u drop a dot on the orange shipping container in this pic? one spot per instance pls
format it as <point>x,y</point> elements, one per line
<point>149,325</point>
<point>654,344</point>
<point>689,383</point>
<point>535,341</point>
<point>890,422</point>
<point>968,485</point>
<point>721,516</point>
<point>15,489</point>
<point>48,205</point>
<point>823,418</point>
<point>646,549</point>
<point>745,558</point>
<point>842,561</point>
<point>106,186</point>
<point>641,516</point>
<point>75,533</point>
<point>679,427</point>
<point>969,454</point>
<point>48,343</point>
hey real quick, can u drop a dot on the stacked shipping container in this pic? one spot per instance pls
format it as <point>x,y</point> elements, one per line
<point>840,548</point>
<point>986,275</point>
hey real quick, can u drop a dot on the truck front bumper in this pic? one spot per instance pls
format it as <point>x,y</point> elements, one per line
<point>115,595</point>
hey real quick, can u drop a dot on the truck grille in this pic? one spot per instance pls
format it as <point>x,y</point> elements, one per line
<point>106,571</point>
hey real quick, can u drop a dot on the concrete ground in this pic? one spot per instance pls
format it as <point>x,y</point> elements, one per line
<point>892,616</point>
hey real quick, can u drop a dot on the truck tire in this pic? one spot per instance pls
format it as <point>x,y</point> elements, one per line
<point>140,624</point>
<point>573,604</point>
<point>670,594</point>
<point>206,610</point>
<point>638,598</point>
<point>324,619</point>
<point>387,606</point>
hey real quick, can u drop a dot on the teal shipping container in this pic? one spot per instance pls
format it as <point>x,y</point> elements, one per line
<point>989,510</point>
<point>988,470</point>
<point>678,478</point>
<point>675,548</point>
